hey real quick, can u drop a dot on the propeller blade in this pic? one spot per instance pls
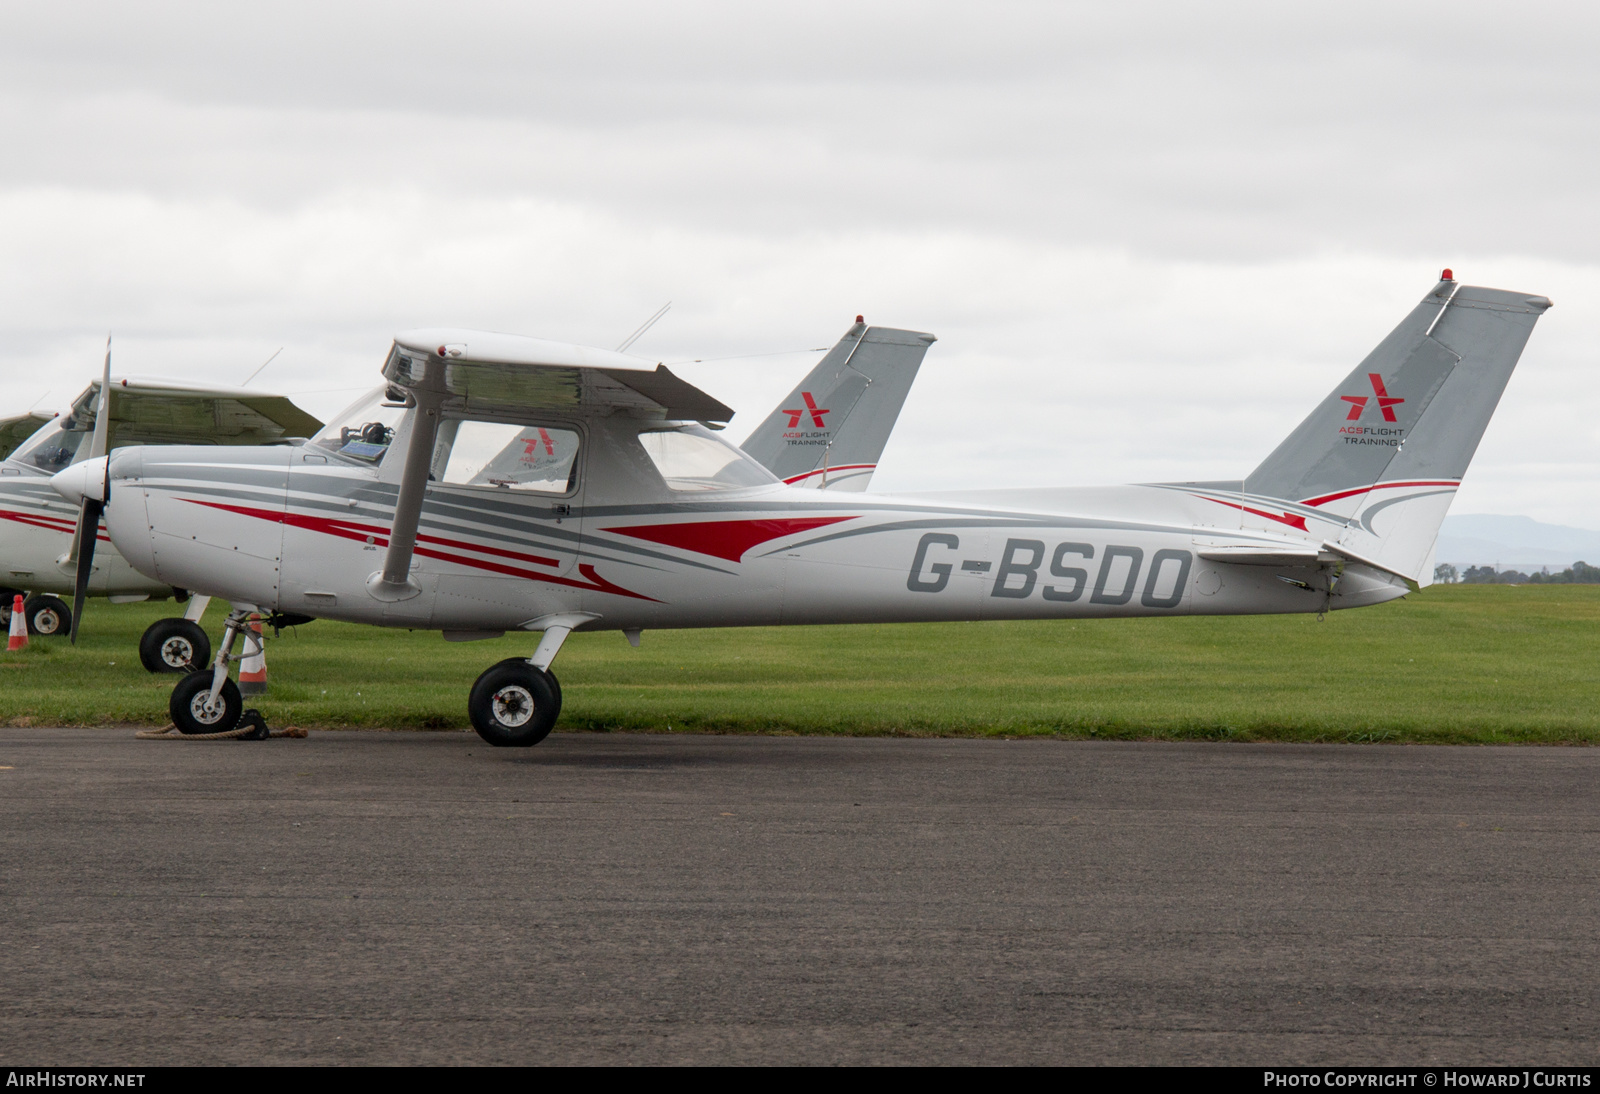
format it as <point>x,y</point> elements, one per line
<point>102,414</point>
<point>88,533</point>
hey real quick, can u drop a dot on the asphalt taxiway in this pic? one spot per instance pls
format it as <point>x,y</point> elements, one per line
<point>422,898</point>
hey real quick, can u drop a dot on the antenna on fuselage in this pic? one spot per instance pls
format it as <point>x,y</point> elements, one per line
<point>263,365</point>
<point>648,323</point>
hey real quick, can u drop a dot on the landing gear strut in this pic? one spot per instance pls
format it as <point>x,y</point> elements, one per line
<point>210,702</point>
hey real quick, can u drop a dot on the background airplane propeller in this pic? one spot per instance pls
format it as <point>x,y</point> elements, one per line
<point>90,509</point>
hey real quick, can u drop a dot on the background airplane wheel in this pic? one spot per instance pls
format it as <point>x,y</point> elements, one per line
<point>8,597</point>
<point>174,645</point>
<point>47,615</point>
<point>514,705</point>
<point>188,712</point>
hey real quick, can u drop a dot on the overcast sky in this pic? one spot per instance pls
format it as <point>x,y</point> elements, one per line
<point>1150,237</point>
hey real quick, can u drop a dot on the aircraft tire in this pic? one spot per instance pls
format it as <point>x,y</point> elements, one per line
<point>174,645</point>
<point>47,615</point>
<point>186,712</point>
<point>513,704</point>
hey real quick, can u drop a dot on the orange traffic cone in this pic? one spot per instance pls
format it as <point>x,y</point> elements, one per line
<point>253,669</point>
<point>19,626</point>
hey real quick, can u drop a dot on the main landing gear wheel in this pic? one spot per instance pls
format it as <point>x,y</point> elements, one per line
<point>47,615</point>
<point>174,645</point>
<point>187,706</point>
<point>513,704</point>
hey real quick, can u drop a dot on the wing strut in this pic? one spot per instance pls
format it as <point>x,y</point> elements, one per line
<point>394,581</point>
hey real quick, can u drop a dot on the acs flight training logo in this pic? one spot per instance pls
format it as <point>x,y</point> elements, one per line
<point>1358,403</point>
<point>810,408</point>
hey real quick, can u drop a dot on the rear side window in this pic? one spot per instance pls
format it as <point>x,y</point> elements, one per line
<point>691,457</point>
<point>537,458</point>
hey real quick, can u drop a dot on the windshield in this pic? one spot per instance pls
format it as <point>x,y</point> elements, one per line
<point>691,457</point>
<point>365,431</point>
<point>53,447</point>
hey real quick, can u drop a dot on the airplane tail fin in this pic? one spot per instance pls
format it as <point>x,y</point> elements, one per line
<point>830,430</point>
<point>1374,468</point>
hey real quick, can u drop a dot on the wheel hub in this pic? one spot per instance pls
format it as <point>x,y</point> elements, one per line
<point>512,706</point>
<point>200,707</point>
<point>177,652</point>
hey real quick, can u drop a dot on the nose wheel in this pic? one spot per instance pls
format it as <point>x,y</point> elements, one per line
<point>513,704</point>
<point>194,711</point>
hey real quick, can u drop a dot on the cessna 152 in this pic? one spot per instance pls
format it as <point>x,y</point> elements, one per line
<point>851,399</point>
<point>507,483</point>
<point>38,552</point>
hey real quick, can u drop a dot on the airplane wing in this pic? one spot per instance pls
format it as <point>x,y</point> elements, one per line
<point>450,369</point>
<point>172,412</point>
<point>830,430</point>
<point>486,371</point>
<point>13,431</point>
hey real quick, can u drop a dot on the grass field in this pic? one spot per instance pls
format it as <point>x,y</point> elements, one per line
<point>1450,664</point>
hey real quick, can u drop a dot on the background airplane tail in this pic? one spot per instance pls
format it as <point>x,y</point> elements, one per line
<point>830,430</point>
<point>1374,468</point>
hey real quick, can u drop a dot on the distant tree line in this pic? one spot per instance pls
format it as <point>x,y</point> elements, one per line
<point>1579,573</point>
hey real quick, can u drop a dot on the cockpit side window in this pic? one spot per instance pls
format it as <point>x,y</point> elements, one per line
<point>53,447</point>
<point>365,431</point>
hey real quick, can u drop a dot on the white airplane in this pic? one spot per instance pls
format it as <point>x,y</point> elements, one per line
<point>39,530</point>
<point>852,398</point>
<point>511,484</point>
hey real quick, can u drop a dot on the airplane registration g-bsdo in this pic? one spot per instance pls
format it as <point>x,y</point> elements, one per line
<point>501,483</point>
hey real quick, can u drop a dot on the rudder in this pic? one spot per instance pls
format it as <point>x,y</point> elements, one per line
<point>1374,468</point>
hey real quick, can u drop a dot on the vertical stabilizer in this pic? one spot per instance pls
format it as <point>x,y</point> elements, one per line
<point>1375,466</point>
<point>830,430</point>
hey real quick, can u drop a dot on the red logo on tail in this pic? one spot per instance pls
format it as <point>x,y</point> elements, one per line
<point>810,408</point>
<point>530,445</point>
<point>1386,402</point>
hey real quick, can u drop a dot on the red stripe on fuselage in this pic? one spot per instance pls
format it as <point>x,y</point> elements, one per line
<point>728,539</point>
<point>49,524</point>
<point>1375,486</point>
<point>346,529</point>
<point>1282,518</point>
<point>791,480</point>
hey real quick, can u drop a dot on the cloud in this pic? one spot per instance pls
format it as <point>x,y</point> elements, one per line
<point>1149,238</point>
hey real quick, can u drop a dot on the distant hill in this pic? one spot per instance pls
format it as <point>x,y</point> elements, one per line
<point>1514,543</point>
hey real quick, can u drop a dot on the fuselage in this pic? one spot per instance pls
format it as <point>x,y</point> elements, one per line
<point>36,530</point>
<point>304,530</point>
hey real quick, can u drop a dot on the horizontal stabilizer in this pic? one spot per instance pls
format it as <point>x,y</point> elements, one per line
<point>1252,555</point>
